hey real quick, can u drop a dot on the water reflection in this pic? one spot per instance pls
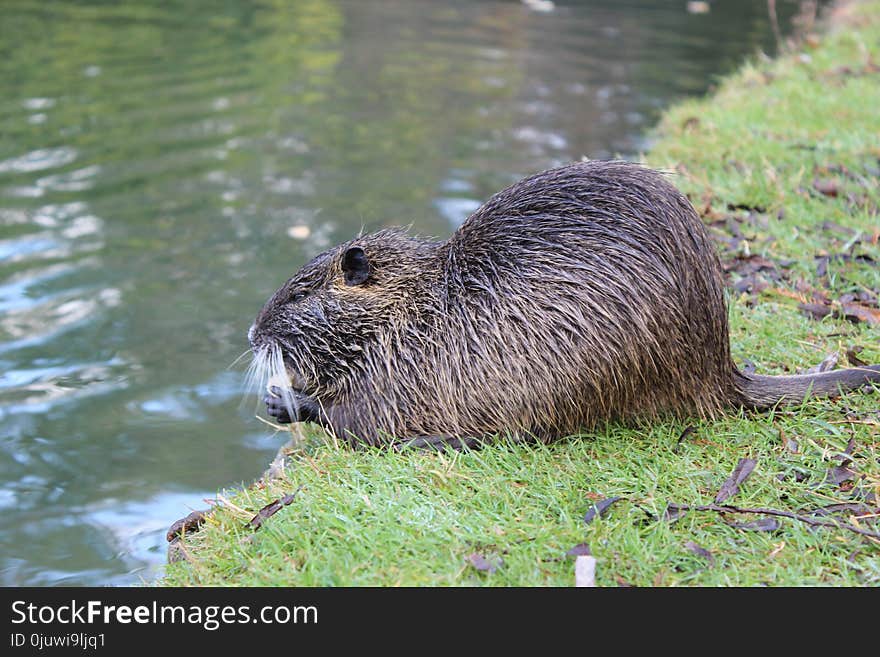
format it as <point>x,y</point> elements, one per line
<point>165,166</point>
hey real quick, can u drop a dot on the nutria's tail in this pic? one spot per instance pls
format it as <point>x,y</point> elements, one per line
<point>763,392</point>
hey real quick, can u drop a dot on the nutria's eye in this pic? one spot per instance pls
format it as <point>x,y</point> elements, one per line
<point>297,296</point>
<point>355,266</point>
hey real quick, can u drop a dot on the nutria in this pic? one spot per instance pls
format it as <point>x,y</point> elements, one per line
<point>582,294</point>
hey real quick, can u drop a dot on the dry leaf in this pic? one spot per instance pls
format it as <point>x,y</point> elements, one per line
<point>684,434</point>
<point>191,523</point>
<point>856,312</point>
<point>828,363</point>
<point>673,512</point>
<point>776,550</point>
<point>482,564</point>
<point>700,552</point>
<point>579,550</point>
<point>815,310</point>
<point>599,509</point>
<point>731,486</point>
<point>826,186</point>
<point>852,356</point>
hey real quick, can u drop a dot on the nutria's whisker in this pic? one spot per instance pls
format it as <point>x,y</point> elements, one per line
<point>280,380</point>
<point>243,354</point>
<point>255,375</point>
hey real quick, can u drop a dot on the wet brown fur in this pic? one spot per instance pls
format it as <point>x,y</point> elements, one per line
<point>582,294</point>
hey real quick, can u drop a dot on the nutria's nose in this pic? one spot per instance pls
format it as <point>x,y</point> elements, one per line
<point>251,332</point>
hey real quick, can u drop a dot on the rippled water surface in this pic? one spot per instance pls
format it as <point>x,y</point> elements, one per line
<point>165,166</point>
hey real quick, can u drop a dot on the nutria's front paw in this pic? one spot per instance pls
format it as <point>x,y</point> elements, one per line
<point>305,408</point>
<point>276,407</point>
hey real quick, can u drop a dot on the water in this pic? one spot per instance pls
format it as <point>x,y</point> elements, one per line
<point>165,166</point>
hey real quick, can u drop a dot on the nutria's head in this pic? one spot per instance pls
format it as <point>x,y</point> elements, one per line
<point>315,329</point>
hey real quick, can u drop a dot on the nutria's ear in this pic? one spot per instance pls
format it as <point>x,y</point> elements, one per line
<point>355,266</point>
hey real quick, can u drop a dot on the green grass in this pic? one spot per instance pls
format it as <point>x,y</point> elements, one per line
<point>380,518</point>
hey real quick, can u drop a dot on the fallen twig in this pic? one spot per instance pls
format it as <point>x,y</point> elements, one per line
<point>271,509</point>
<point>770,512</point>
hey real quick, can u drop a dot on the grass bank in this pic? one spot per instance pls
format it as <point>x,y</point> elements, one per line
<point>783,162</point>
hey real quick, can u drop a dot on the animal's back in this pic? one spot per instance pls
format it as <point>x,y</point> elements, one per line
<point>595,288</point>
